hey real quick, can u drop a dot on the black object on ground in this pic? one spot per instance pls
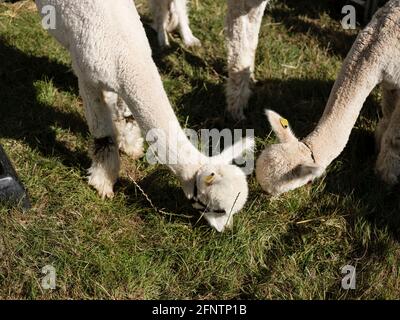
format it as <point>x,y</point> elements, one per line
<point>11,190</point>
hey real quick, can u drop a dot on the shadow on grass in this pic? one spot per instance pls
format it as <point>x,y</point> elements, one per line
<point>314,9</point>
<point>165,194</point>
<point>301,101</point>
<point>301,19</point>
<point>24,118</point>
<point>358,179</point>
<point>159,53</point>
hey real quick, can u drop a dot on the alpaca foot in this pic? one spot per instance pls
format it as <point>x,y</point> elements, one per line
<point>105,166</point>
<point>388,166</point>
<point>192,41</point>
<point>98,180</point>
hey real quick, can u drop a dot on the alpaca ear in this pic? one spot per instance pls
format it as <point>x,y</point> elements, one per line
<point>280,126</point>
<point>235,151</point>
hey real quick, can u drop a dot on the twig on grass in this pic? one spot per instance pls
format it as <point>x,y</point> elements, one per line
<point>152,204</point>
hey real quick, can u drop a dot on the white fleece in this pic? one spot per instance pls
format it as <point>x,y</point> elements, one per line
<point>111,55</point>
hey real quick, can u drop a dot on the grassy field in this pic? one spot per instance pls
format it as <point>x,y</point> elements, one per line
<point>291,247</point>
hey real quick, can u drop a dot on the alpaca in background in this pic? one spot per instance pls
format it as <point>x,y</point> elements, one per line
<point>373,59</point>
<point>242,25</point>
<point>169,15</point>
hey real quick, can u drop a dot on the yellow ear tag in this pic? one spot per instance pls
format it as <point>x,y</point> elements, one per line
<point>284,122</point>
<point>209,179</point>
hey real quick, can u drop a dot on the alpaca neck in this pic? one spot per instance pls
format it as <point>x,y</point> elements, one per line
<point>142,89</point>
<point>360,73</point>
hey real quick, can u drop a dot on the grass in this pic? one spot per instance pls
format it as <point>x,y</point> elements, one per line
<point>291,247</point>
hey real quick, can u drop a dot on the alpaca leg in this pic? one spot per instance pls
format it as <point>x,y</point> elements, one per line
<point>129,136</point>
<point>161,19</point>
<point>388,162</point>
<point>186,33</point>
<point>390,98</point>
<point>104,170</point>
<point>243,25</point>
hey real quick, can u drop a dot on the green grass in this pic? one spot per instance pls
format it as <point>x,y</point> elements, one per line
<point>291,247</point>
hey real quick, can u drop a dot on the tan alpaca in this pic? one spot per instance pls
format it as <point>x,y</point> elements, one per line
<point>373,59</point>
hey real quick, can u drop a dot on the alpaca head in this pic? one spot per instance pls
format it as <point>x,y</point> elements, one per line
<point>287,165</point>
<point>220,188</point>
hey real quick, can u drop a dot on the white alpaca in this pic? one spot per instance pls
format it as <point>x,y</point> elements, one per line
<point>168,15</point>
<point>243,23</point>
<point>112,59</point>
<point>372,60</point>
